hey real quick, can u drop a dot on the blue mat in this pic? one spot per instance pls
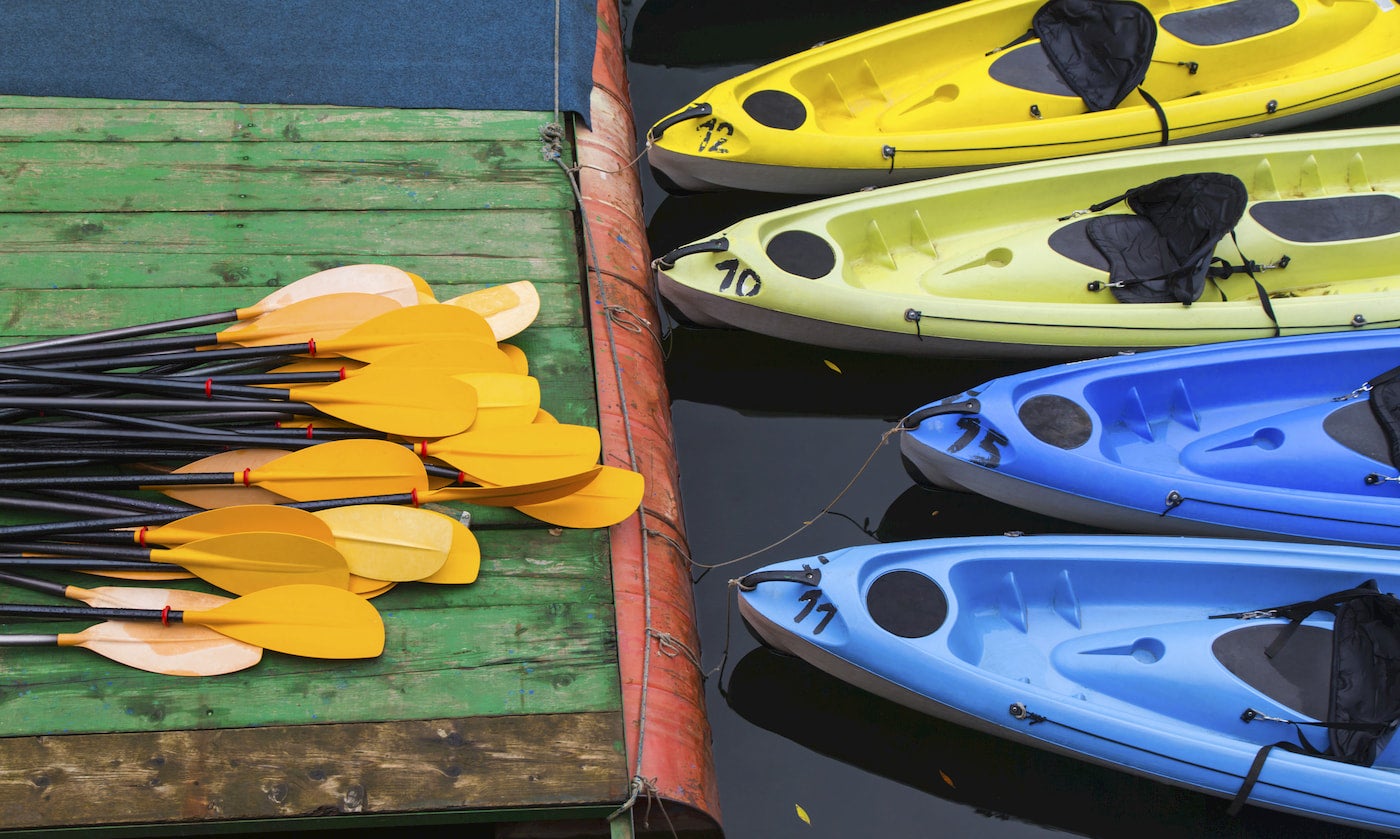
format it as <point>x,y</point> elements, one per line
<point>469,54</point>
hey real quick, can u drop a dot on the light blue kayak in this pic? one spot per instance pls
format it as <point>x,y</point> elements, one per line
<point>1275,438</point>
<point>1147,654</point>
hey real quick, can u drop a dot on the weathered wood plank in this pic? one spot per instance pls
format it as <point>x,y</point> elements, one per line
<point>145,177</point>
<point>359,236</point>
<point>540,761</point>
<point>26,119</point>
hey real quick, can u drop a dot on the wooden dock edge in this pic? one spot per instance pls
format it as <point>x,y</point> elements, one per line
<point>658,642</point>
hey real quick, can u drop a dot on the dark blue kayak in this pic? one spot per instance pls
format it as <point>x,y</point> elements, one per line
<point>1281,438</point>
<point>1203,663</point>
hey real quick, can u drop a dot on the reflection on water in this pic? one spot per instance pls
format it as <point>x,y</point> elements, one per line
<point>783,453</point>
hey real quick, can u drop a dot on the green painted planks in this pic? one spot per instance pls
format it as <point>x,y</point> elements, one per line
<point>146,177</point>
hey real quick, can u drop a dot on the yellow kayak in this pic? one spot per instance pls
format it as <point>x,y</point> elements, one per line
<point>1072,258</point>
<point>994,82</point>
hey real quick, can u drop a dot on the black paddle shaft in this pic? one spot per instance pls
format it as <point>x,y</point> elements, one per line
<point>22,610</point>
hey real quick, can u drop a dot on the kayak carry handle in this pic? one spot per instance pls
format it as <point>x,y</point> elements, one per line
<point>700,109</point>
<point>719,245</point>
<point>967,406</point>
<point>807,576</point>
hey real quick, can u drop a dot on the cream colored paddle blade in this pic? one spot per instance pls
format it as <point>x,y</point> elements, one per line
<point>139,597</point>
<point>503,399</point>
<point>143,576</point>
<point>269,518</point>
<point>518,454</point>
<point>463,563</point>
<point>508,308</point>
<point>320,318</point>
<point>514,495</point>
<point>168,650</point>
<point>612,496</point>
<point>235,461</point>
<point>383,280</point>
<point>306,620</point>
<point>389,542</point>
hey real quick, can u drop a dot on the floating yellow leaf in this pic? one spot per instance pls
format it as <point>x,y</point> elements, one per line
<point>946,779</point>
<point>801,813</point>
<point>832,365</point>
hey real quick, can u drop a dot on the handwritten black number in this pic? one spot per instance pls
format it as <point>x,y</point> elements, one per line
<point>989,442</point>
<point>713,127</point>
<point>746,283</point>
<point>810,603</point>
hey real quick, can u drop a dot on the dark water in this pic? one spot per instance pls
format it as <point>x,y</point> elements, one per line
<point>769,435</point>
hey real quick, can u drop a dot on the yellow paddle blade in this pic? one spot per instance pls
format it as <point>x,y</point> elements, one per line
<point>343,469</point>
<point>168,650</point>
<point>409,402</point>
<point>389,542</point>
<point>513,495</point>
<point>329,364</point>
<point>213,497</point>
<point>269,518</point>
<point>321,318</point>
<point>503,399</point>
<point>544,418</point>
<point>383,280</point>
<point>368,587</point>
<point>306,620</point>
<point>408,325</point>
<point>463,559</point>
<point>248,562</point>
<point>518,454</point>
<point>508,308</point>
<point>519,363</point>
<point>422,290</point>
<point>448,357</point>
<point>612,496</point>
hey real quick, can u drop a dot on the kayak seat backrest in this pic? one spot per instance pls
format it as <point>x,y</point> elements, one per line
<point>1028,67</point>
<point>1339,218</point>
<point>1100,48</point>
<point>1299,677</point>
<point>1162,252</point>
<point>1355,426</point>
<point>1226,23</point>
<point>1385,407</point>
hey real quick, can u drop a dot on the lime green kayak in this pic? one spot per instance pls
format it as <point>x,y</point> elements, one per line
<point>1013,262</point>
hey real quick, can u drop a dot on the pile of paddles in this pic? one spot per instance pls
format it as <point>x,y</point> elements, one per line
<point>310,433</point>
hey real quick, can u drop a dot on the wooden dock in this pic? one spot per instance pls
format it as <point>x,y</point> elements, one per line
<point>516,700</point>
